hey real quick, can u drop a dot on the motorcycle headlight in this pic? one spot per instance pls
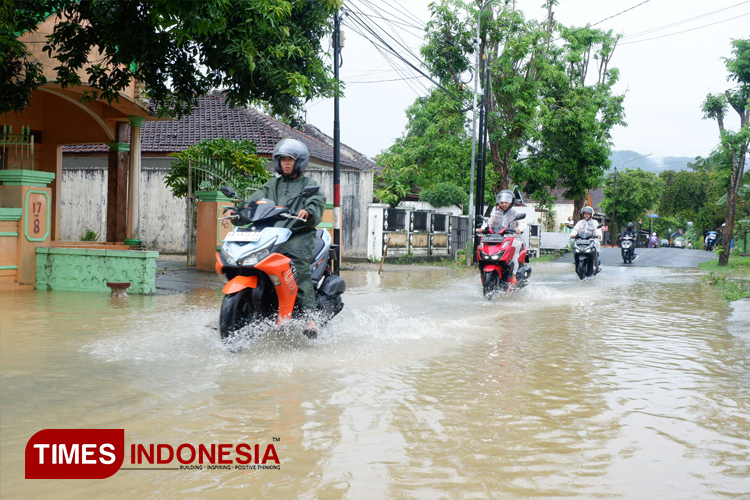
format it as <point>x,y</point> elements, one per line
<point>227,257</point>
<point>252,258</point>
<point>483,255</point>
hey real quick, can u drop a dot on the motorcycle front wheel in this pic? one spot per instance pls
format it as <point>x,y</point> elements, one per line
<point>491,283</point>
<point>236,313</point>
<point>581,268</point>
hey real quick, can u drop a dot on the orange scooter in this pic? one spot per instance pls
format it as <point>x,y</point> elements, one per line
<point>261,283</point>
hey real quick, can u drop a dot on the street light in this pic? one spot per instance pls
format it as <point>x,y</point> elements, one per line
<point>614,196</point>
<point>474,136</point>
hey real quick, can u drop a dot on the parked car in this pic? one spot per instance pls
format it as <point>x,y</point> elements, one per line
<point>664,242</point>
<point>679,243</point>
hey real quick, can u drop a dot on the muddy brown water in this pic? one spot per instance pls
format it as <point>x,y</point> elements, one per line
<point>634,384</point>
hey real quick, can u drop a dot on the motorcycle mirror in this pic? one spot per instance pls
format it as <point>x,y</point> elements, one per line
<point>479,218</point>
<point>308,191</point>
<point>228,192</point>
<point>600,225</point>
<point>520,216</point>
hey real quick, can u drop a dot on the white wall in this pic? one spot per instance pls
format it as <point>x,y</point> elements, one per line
<point>163,224</point>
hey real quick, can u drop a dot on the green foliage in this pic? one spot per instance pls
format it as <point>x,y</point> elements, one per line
<point>518,64</point>
<point>685,193</point>
<point>444,194</point>
<point>89,235</point>
<point>730,290</point>
<point>436,148</point>
<point>448,41</point>
<point>575,117</point>
<point>260,52</point>
<point>734,144</point>
<point>232,163</point>
<point>638,192</point>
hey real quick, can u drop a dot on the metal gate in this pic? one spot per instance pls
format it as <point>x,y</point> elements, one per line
<point>459,233</point>
<point>16,150</point>
<point>210,174</point>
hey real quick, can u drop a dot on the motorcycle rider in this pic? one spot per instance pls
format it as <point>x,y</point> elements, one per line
<point>291,157</point>
<point>587,225</point>
<point>503,216</point>
<point>630,231</point>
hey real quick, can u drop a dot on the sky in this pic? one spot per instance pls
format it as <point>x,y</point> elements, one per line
<point>665,74</point>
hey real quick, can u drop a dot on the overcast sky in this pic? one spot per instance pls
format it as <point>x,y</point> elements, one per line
<point>665,74</point>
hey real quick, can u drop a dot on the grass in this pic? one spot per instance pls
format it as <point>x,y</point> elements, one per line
<point>738,267</point>
<point>730,290</point>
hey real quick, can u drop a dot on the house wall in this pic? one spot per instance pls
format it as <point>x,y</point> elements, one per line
<point>163,224</point>
<point>356,195</point>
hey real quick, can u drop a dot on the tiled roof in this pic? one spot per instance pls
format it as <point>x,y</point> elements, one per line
<point>214,118</point>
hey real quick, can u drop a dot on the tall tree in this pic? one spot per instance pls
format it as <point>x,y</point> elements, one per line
<point>577,113</point>
<point>734,144</point>
<point>516,51</point>
<point>260,52</point>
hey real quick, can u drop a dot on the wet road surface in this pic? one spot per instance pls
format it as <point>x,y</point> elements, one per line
<point>632,384</point>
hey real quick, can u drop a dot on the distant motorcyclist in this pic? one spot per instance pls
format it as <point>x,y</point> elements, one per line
<point>291,157</point>
<point>587,225</point>
<point>629,231</point>
<point>503,216</point>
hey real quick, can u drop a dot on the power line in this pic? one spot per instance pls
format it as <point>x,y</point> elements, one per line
<point>685,31</point>
<point>653,30</point>
<point>380,49</point>
<point>393,80</point>
<point>623,12</point>
<point>388,47</point>
<point>605,19</point>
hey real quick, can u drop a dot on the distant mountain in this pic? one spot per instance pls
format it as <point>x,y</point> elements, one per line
<point>649,163</point>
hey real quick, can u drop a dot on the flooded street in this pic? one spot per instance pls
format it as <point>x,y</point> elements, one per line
<point>632,385</point>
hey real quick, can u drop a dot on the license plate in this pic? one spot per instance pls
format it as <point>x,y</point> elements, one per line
<point>243,236</point>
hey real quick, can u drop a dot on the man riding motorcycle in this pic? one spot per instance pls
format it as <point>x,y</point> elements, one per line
<point>629,231</point>
<point>504,216</point>
<point>587,225</point>
<point>291,157</point>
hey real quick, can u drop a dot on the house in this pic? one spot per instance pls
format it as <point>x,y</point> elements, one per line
<point>163,225</point>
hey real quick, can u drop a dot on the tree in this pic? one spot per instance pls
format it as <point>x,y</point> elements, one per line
<point>225,162</point>
<point>516,51</point>
<point>685,193</point>
<point>575,117</point>
<point>435,148</point>
<point>638,192</point>
<point>733,144</point>
<point>444,194</point>
<point>259,52</point>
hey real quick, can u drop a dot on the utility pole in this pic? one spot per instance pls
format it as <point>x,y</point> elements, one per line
<point>474,135</point>
<point>336,143</point>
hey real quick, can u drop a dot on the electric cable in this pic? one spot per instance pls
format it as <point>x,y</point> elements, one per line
<point>685,31</point>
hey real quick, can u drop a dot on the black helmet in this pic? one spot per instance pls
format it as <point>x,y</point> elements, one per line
<point>506,196</point>
<point>293,149</point>
<point>587,209</point>
<point>630,225</point>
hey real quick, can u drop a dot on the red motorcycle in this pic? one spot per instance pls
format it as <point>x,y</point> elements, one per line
<point>495,254</point>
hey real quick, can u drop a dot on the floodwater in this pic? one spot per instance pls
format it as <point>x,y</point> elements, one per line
<point>632,385</point>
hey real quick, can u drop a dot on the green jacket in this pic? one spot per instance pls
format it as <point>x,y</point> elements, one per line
<point>280,189</point>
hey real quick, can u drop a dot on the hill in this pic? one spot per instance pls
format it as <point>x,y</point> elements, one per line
<point>649,163</point>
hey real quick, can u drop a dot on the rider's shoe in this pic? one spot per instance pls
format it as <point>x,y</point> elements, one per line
<point>311,331</point>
